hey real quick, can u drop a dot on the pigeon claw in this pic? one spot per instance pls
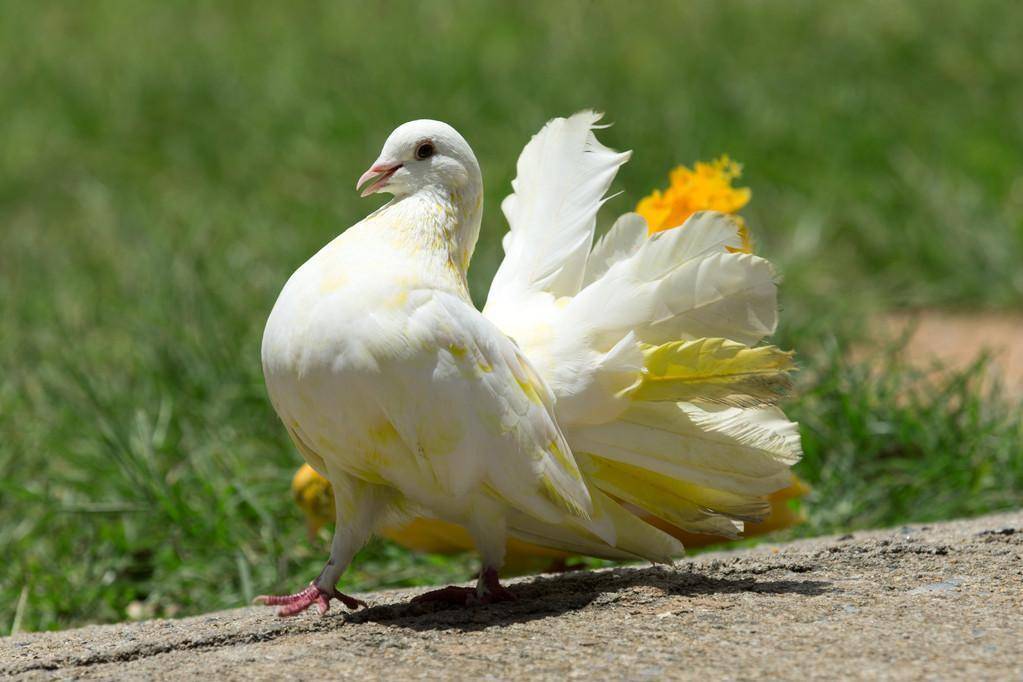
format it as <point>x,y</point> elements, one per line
<point>493,591</point>
<point>294,604</point>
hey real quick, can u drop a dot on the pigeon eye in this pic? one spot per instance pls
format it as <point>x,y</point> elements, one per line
<point>424,150</point>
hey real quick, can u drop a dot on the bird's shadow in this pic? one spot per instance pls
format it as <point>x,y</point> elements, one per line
<point>546,596</point>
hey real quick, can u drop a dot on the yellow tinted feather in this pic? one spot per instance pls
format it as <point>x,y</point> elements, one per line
<point>714,370</point>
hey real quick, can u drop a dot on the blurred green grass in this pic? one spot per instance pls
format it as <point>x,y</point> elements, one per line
<point>165,167</point>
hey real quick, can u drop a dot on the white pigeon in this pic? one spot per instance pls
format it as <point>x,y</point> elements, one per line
<point>599,382</point>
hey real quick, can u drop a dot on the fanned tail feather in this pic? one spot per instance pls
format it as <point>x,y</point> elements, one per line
<point>562,176</point>
<point>677,502</point>
<point>680,284</point>
<point>634,539</point>
<point>714,370</point>
<point>649,345</point>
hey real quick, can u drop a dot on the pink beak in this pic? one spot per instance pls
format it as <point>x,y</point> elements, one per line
<point>379,174</point>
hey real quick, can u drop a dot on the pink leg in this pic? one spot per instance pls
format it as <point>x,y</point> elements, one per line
<point>488,590</point>
<point>493,591</point>
<point>294,604</point>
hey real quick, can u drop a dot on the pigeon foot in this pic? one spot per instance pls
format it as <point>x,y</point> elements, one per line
<point>489,591</point>
<point>294,604</point>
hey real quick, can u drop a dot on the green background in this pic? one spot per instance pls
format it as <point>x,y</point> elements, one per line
<point>165,166</point>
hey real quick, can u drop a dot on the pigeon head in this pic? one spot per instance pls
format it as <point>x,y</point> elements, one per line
<point>419,155</point>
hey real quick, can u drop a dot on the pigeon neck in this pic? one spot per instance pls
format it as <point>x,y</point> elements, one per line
<point>444,222</point>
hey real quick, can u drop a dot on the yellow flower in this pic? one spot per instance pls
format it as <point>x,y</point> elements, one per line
<point>705,187</point>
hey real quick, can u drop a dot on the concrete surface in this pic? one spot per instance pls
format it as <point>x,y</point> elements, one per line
<point>941,601</point>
